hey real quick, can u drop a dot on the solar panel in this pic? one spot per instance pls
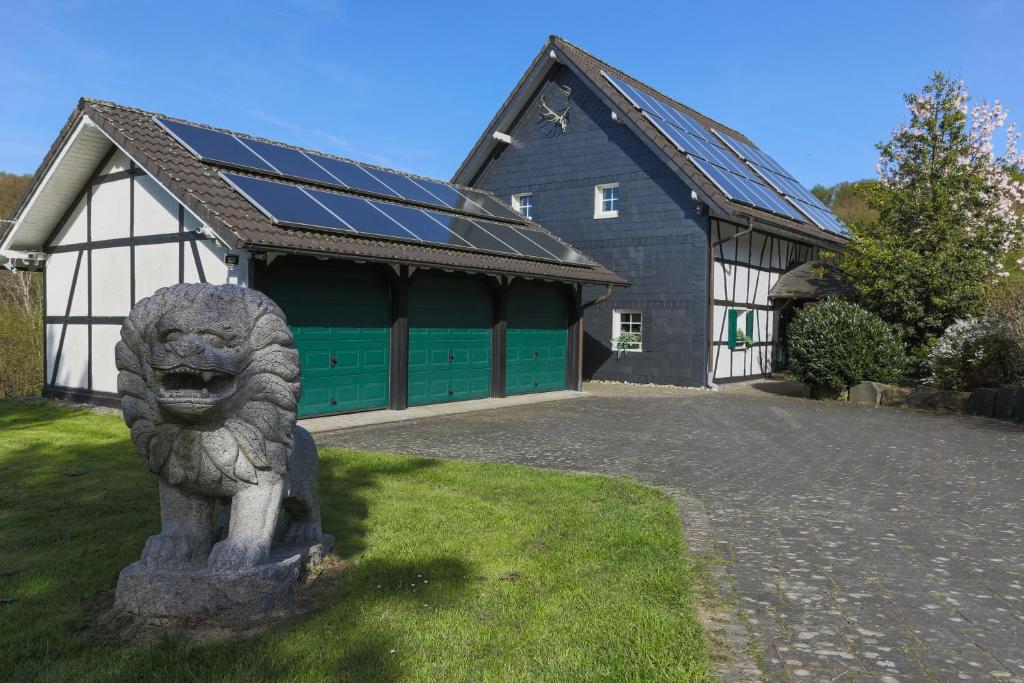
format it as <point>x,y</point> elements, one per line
<point>215,145</point>
<point>353,176</point>
<point>285,203</point>
<point>783,182</point>
<point>752,154</point>
<point>312,207</point>
<point>362,215</point>
<point>756,184</point>
<point>267,157</point>
<point>474,232</point>
<point>732,176</point>
<point>290,162</point>
<point>559,249</point>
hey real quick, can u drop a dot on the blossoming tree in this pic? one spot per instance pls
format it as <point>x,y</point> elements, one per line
<point>949,206</point>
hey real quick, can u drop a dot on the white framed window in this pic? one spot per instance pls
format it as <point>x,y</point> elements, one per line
<point>627,330</point>
<point>523,203</point>
<point>606,200</point>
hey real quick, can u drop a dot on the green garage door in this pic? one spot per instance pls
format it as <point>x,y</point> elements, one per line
<point>537,339</point>
<point>341,322</point>
<point>449,340</point>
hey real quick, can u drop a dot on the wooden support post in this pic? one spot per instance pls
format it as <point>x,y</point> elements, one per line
<point>499,336</point>
<point>399,378</point>
<point>574,354</point>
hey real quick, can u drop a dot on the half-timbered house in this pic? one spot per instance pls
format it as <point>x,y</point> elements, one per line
<point>699,219</point>
<point>401,290</point>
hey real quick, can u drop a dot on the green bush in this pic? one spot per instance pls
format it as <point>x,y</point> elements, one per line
<point>978,352</point>
<point>835,344</point>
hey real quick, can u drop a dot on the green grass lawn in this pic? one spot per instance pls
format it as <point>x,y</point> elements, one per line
<point>460,571</point>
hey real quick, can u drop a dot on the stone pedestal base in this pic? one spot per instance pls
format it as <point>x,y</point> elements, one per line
<point>188,594</point>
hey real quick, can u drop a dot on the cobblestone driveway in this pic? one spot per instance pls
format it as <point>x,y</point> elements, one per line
<point>876,544</point>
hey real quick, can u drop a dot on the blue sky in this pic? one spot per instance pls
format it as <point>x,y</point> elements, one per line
<point>412,84</point>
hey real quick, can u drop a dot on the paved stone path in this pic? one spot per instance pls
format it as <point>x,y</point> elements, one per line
<point>869,544</point>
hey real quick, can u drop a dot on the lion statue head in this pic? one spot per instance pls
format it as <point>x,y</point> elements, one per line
<point>209,384</point>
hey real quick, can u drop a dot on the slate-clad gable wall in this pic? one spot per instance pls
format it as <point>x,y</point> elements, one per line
<point>658,242</point>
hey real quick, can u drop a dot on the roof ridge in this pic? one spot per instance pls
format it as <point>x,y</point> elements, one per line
<point>298,148</point>
<point>654,91</point>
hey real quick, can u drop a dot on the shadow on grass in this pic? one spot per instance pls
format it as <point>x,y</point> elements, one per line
<point>72,515</point>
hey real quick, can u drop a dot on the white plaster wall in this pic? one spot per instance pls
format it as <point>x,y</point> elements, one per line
<point>74,360</point>
<point>75,231</point>
<point>156,266</point>
<point>60,271</point>
<point>111,210</point>
<point>104,374</point>
<point>111,290</point>
<point>156,212</point>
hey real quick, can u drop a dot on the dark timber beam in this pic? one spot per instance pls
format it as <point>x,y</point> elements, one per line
<point>398,390</point>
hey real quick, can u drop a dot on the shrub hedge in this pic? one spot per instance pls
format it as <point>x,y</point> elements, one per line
<point>835,344</point>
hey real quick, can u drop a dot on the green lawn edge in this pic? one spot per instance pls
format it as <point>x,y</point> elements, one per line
<point>460,571</point>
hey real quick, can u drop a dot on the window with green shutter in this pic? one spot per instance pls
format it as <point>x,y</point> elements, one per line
<point>737,337</point>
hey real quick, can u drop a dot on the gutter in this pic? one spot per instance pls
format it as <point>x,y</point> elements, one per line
<point>710,381</point>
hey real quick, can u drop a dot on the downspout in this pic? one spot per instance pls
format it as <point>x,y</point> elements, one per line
<point>599,300</point>
<point>710,382</point>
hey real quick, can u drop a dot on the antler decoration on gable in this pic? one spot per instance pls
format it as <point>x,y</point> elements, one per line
<point>549,114</point>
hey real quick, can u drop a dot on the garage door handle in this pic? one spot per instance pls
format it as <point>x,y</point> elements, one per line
<point>334,361</point>
<point>536,354</point>
<point>334,401</point>
<point>451,357</point>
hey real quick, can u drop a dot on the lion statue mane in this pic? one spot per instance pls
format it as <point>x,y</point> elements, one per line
<point>209,379</point>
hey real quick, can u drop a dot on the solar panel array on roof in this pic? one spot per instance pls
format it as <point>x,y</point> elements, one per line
<point>312,207</point>
<point>787,185</point>
<point>264,157</point>
<point>758,182</point>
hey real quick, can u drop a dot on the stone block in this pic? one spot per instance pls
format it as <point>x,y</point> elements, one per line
<point>187,594</point>
<point>982,402</point>
<point>930,398</point>
<point>867,393</point>
<point>1005,403</point>
<point>895,396</point>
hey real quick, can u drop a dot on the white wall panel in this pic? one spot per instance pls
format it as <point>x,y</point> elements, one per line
<point>156,212</point>
<point>76,229</point>
<point>73,370</point>
<point>104,373</point>
<point>60,270</point>
<point>211,256</point>
<point>52,339</point>
<point>111,285</point>
<point>111,210</point>
<point>156,266</point>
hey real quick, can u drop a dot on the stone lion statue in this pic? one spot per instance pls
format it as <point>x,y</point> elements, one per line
<point>209,379</point>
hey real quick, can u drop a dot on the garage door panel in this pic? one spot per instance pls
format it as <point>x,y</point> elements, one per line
<point>537,340</point>
<point>342,316</point>
<point>449,340</point>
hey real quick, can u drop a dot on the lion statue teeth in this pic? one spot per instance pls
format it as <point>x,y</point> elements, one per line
<point>209,379</point>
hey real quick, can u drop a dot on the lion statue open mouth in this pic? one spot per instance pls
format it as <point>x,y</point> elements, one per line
<point>209,379</point>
